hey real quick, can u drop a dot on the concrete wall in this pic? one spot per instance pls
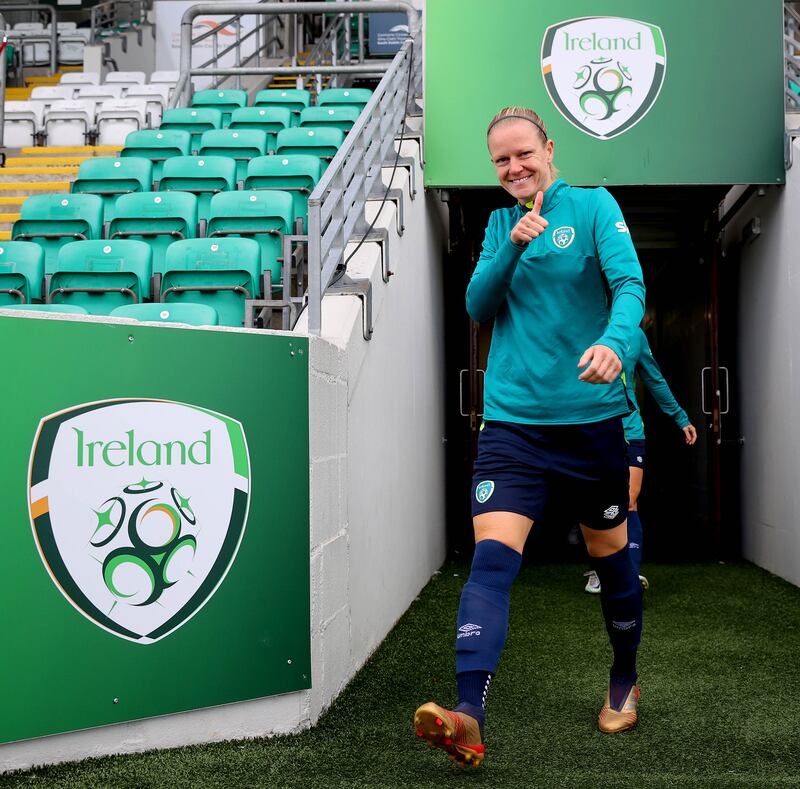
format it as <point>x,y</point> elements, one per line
<point>377,481</point>
<point>768,376</point>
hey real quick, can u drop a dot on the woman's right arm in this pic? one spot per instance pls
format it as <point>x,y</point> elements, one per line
<point>492,276</point>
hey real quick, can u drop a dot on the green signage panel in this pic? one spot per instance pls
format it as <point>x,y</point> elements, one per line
<point>632,92</point>
<point>154,548</point>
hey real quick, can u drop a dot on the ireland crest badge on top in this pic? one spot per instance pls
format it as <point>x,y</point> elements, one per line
<point>604,73</point>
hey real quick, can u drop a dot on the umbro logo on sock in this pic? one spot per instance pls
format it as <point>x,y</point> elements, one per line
<point>465,631</point>
<point>623,625</point>
<point>611,512</point>
<point>634,545</point>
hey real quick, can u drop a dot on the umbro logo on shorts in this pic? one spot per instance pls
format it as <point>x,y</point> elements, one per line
<point>465,631</point>
<point>623,625</point>
<point>611,512</point>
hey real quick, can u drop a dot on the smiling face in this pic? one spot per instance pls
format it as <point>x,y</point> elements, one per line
<point>521,158</point>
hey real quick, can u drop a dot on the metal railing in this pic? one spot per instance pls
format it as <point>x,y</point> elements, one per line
<point>21,39</point>
<point>336,206</point>
<point>115,17</point>
<point>187,70</point>
<point>791,62</point>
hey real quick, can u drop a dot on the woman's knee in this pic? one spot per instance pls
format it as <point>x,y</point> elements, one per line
<point>509,528</point>
<point>600,543</point>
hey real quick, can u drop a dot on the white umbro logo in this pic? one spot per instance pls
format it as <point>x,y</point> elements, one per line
<point>465,631</point>
<point>611,512</point>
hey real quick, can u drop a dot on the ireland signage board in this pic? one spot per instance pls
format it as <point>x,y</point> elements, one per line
<point>155,540</point>
<point>631,91</point>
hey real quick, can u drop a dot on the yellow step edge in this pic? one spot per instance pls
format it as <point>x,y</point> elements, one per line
<point>5,235</point>
<point>12,199</point>
<point>57,150</point>
<point>35,161</point>
<point>8,217</point>
<point>33,186</point>
<point>37,171</point>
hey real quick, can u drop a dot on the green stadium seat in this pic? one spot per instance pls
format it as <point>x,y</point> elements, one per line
<point>297,174</point>
<point>203,176</point>
<point>101,275</point>
<point>268,119</point>
<point>195,121</point>
<point>226,101</point>
<point>220,272</point>
<point>157,146</point>
<point>110,178</point>
<point>51,221</point>
<point>265,216</point>
<point>335,116</point>
<point>355,97</point>
<point>156,218</point>
<point>294,99</point>
<point>242,145</point>
<point>193,314</point>
<point>314,140</point>
<point>67,309</point>
<point>21,272</point>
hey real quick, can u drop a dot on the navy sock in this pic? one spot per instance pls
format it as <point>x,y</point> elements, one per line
<point>473,687</point>
<point>635,539</point>
<point>621,601</point>
<point>483,611</point>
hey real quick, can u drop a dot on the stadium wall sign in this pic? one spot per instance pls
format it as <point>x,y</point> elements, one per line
<point>603,73</point>
<point>155,513</point>
<point>633,92</point>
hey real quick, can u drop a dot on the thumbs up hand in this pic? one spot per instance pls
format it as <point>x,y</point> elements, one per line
<point>531,225</point>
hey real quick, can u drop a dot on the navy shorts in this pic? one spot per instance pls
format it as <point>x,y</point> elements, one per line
<point>521,468</point>
<point>636,453</point>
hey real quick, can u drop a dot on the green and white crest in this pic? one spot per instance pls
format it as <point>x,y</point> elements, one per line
<point>603,73</point>
<point>138,508</point>
<point>563,236</point>
<point>484,490</point>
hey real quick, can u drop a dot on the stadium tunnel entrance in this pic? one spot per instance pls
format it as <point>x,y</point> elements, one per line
<point>690,497</point>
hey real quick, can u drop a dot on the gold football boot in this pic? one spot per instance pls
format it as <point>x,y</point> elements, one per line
<point>611,721</point>
<point>454,732</point>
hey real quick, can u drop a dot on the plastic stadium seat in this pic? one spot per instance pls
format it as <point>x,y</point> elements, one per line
<point>21,272</point>
<point>101,275</point>
<point>268,119</point>
<point>69,122</point>
<point>315,140</point>
<point>72,43</point>
<point>110,178</point>
<point>32,53</point>
<point>117,118</point>
<point>79,78</point>
<point>294,99</point>
<point>265,216</point>
<point>356,97</point>
<point>185,312</point>
<point>224,100</point>
<point>22,123</point>
<point>337,117</point>
<point>157,146</point>
<point>220,272</point>
<point>195,121</point>
<point>99,93</point>
<point>296,174</point>
<point>156,97</point>
<point>51,221</point>
<point>125,78</point>
<point>242,145</point>
<point>203,176</point>
<point>67,309</point>
<point>165,77</point>
<point>48,94</point>
<point>156,218</point>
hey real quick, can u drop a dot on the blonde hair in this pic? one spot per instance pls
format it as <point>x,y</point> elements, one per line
<point>524,114</point>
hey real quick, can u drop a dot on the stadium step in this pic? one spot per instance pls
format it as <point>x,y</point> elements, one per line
<point>41,170</point>
<point>15,189</point>
<point>61,150</point>
<point>38,161</point>
<point>18,94</point>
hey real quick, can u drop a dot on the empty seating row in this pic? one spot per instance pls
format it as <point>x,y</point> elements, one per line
<point>123,78</point>
<point>184,313</point>
<point>100,276</point>
<point>70,38</point>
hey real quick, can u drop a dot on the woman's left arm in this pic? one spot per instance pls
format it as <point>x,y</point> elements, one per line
<point>620,266</point>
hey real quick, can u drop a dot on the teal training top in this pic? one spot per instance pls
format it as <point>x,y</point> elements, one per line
<point>550,303</point>
<point>640,359</point>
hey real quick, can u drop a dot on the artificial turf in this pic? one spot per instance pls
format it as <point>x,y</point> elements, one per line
<point>720,703</point>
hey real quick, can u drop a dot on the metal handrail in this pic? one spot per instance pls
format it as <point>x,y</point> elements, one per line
<point>51,37</point>
<point>336,206</point>
<point>109,14</point>
<point>187,71</point>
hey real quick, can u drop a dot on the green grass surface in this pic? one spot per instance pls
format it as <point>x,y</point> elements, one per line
<point>720,706</point>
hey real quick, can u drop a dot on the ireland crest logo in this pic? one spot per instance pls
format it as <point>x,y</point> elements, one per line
<point>603,73</point>
<point>138,508</point>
